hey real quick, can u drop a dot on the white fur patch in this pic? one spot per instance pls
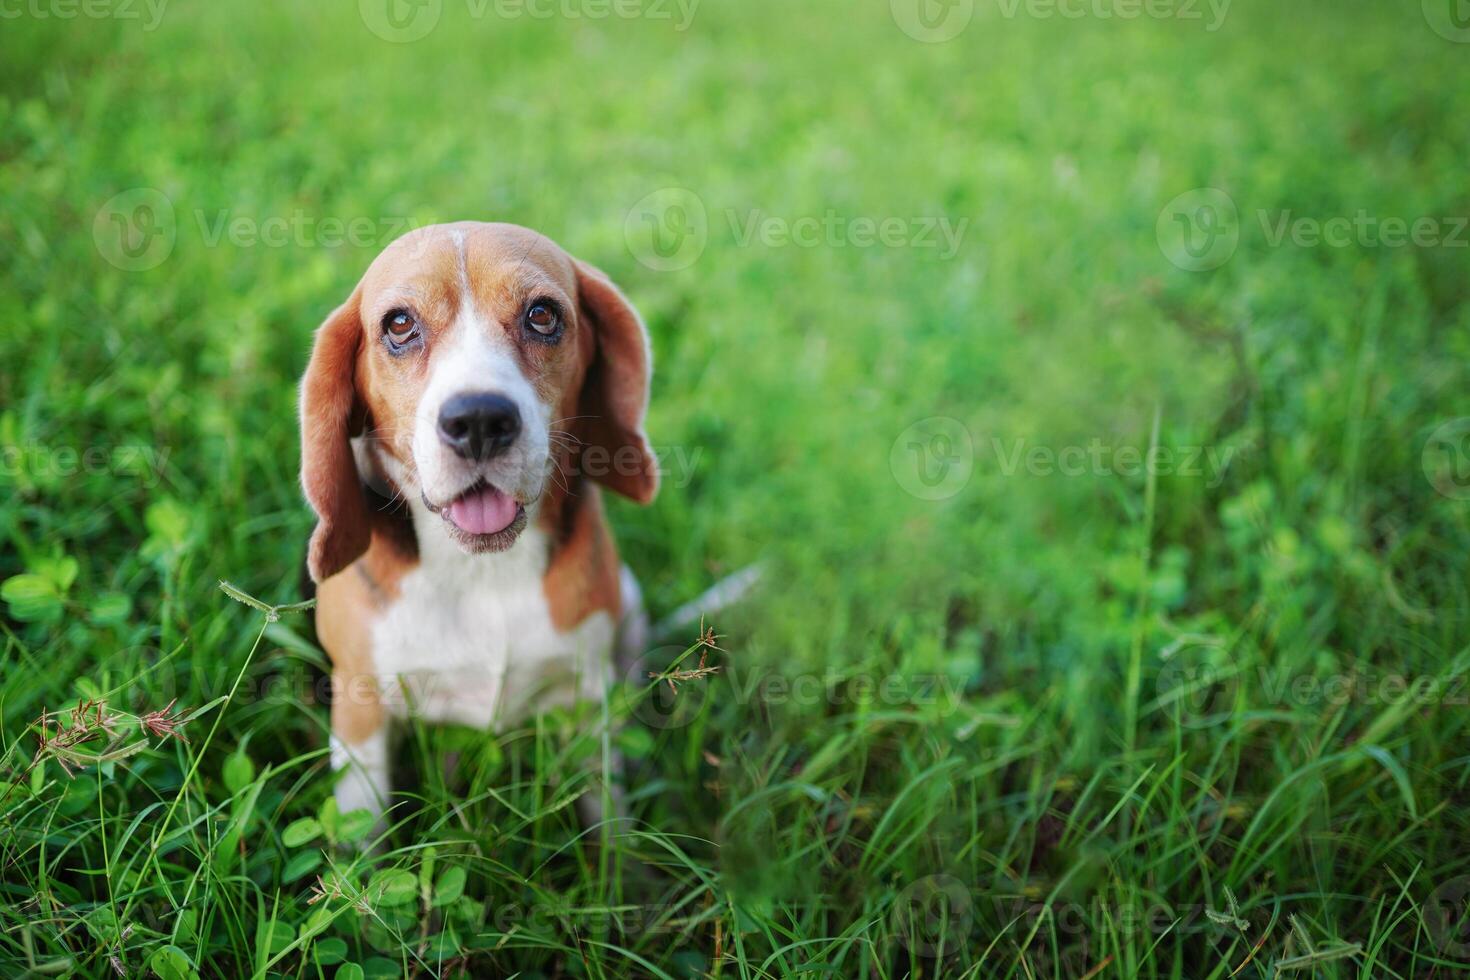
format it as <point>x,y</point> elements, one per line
<point>470,639</point>
<point>477,359</point>
<point>364,786</point>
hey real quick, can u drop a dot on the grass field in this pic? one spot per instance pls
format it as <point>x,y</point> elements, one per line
<point>924,292</point>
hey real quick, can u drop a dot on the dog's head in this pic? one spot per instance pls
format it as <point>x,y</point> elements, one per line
<point>482,363</point>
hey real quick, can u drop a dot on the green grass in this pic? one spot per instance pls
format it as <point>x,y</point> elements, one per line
<point>1069,714</point>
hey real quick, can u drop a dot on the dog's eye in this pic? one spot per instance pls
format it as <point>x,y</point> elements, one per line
<point>401,326</point>
<point>543,319</point>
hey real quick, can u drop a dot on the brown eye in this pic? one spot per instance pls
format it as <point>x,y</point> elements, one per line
<point>543,319</point>
<point>401,326</point>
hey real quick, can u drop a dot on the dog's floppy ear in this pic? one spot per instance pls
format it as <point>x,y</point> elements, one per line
<point>329,411</point>
<point>614,394</point>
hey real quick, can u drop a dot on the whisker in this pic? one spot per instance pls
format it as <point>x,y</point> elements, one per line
<point>571,440</point>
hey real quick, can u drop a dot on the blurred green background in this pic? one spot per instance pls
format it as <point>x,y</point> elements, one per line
<point>925,282</point>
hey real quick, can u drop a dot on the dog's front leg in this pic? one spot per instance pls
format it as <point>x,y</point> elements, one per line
<point>360,745</point>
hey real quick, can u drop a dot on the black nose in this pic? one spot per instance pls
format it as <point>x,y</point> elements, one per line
<point>479,425</point>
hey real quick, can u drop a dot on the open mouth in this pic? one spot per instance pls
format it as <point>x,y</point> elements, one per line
<point>484,518</point>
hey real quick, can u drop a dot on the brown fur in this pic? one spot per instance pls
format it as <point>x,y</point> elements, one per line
<point>330,411</point>
<point>614,394</point>
<point>583,575</point>
<point>344,611</point>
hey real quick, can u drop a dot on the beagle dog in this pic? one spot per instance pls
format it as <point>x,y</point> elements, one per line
<point>457,414</point>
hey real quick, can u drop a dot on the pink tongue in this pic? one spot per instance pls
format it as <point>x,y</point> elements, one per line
<point>485,511</point>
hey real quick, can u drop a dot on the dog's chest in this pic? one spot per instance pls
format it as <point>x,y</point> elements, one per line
<point>470,640</point>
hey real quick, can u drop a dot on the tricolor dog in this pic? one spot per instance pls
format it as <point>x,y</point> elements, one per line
<point>457,414</point>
